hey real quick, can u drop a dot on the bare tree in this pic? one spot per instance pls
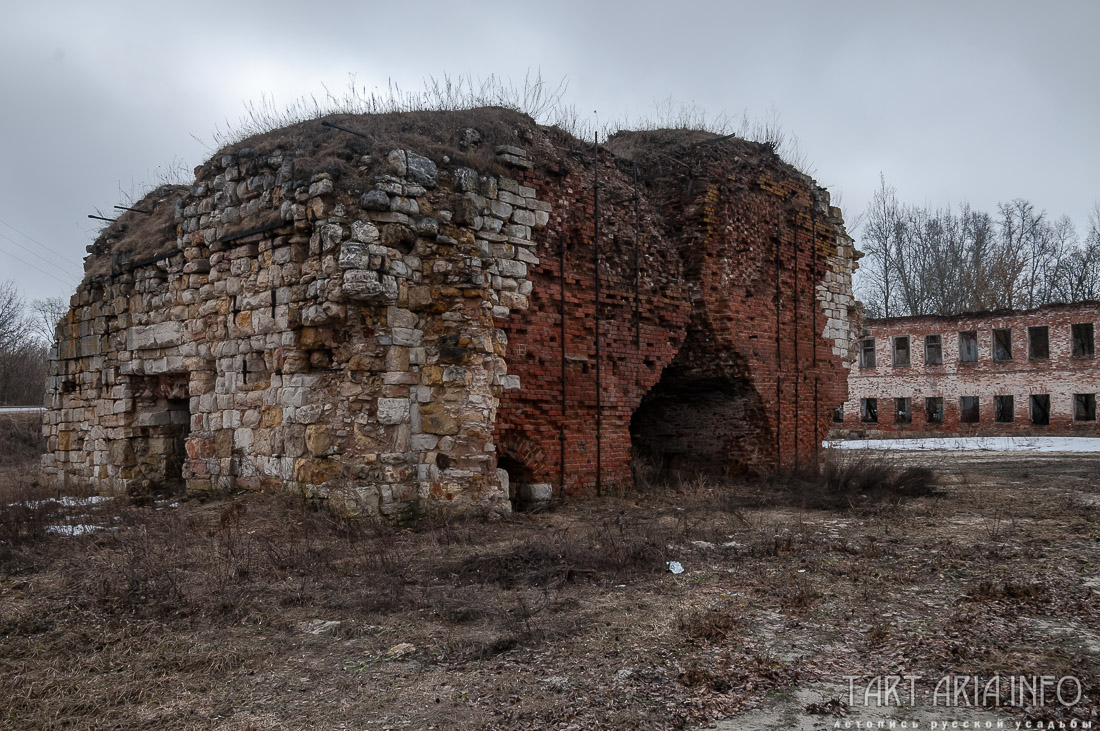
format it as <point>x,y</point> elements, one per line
<point>47,314</point>
<point>22,356</point>
<point>880,229</point>
<point>924,261</point>
<point>13,323</point>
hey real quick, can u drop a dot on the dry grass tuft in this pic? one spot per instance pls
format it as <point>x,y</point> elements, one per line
<point>845,481</point>
<point>20,439</point>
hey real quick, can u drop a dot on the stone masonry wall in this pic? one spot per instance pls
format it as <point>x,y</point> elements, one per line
<point>1060,375</point>
<point>380,327</point>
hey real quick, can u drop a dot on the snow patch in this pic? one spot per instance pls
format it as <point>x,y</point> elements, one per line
<point>964,444</point>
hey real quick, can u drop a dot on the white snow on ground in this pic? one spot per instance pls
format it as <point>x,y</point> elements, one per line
<point>989,444</point>
<point>66,501</point>
<point>73,530</point>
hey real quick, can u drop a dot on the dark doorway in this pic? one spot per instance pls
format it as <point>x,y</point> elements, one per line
<point>521,480</point>
<point>689,425</point>
<point>159,431</point>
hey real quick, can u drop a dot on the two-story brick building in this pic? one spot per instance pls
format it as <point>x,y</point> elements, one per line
<point>1009,372</point>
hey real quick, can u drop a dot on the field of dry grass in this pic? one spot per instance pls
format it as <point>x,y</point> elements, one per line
<point>254,612</point>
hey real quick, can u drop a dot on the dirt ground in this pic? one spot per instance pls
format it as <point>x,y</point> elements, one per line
<point>254,612</point>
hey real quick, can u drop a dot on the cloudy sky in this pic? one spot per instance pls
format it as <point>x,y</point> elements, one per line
<point>978,101</point>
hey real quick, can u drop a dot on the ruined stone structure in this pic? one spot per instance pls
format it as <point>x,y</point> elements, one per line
<point>1010,373</point>
<point>395,311</point>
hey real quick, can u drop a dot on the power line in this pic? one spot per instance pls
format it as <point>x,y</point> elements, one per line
<point>21,233</point>
<point>32,252</point>
<point>32,266</point>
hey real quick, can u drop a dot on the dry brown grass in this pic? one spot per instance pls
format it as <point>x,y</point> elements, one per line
<point>20,439</point>
<point>203,615</point>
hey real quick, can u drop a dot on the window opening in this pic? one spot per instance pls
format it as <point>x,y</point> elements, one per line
<point>968,409</point>
<point>1040,409</point>
<point>1002,344</point>
<point>933,350</point>
<point>933,409</point>
<point>968,346</point>
<point>1038,342</point>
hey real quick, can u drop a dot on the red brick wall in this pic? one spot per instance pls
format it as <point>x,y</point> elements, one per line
<point>1060,376</point>
<point>744,387</point>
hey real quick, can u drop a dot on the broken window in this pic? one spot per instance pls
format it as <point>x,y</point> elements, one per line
<point>867,353</point>
<point>903,413</point>
<point>933,350</point>
<point>901,350</point>
<point>968,409</point>
<point>1038,342</point>
<point>1082,340</point>
<point>1002,344</point>
<point>1084,407</point>
<point>1003,409</point>
<point>868,410</point>
<point>1040,409</point>
<point>968,346</point>
<point>838,414</point>
<point>933,409</point>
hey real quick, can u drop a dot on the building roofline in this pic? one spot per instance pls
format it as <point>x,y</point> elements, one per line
<point>984,314</point>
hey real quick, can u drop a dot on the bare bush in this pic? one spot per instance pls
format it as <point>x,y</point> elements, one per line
<point>843,481</point>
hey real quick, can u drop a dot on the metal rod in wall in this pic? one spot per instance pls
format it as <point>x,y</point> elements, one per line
<point>596,261</point>
<point>637,233</point>
<point>813,248</point>
<point>797,365</point>
<point>817,423</point>
<point>564,374</point>
<point>778,352</point>
<point>814,335</point>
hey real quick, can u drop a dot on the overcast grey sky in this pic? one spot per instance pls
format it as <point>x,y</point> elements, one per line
<point>978,101</point>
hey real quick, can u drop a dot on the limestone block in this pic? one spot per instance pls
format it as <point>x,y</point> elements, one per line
<point>538,492</point>
<point>393,410</point>
<point>318,439</point>
<point>367,286</point>
<point>365,231</point>
<point>314,471</point>
<point>161,335</point>
<point>421,170</point>
<point>511,268</point>
<point>397,163</point>
<point>434,419</point>
<point>407,336</point>
<point>354,255</point>
<point>408,206</point>
<point>308,414</point>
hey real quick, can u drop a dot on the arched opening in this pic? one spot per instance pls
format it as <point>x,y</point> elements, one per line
<point>524,489</point>
<point>689,425</point>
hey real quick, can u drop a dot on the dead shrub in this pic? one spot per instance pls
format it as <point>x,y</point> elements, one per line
<point>20,439</point>
<point>619,546</point>
<point>713,625</point>
<point>798,596</point>
<point>25,516</point>
<point>1008,591</point>
<point>847,481</point>
<point>833,707</point>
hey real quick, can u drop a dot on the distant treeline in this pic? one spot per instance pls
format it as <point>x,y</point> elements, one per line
<point>26,333</point>
<point>923,261</point>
